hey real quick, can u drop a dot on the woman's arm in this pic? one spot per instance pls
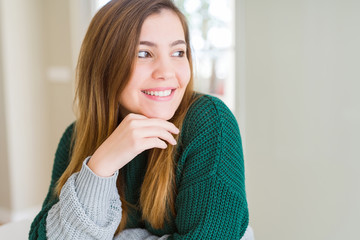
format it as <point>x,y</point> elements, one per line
<point>138,234</point>
<point>134,135</point>
<point>211,201</point>
<point>143,234</point>
<point>89,208</point>
<point>44,224</point>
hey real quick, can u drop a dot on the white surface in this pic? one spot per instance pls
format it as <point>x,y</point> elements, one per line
<point>15,230</point>
<point>302,118</point>
<point>5,215</point>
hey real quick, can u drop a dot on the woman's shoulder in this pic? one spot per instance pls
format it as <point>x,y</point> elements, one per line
<point>207,115</point>
<point>69,130</point>
<point>210,143</point>
<point>208,108</point>
<point>66,138</point>
<point>205,100</point>
<point>64,147</point>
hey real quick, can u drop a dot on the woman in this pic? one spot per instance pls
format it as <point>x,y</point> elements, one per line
<point>147,158</point>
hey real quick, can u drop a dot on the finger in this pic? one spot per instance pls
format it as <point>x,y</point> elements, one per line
<point>156,132</point>
<point>138,121</point>
<point>150,143</point>
<point>135,116</point>
<point>154,122</point>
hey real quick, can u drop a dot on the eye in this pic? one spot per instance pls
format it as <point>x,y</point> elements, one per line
<point>178,54</point>
<point>144,54</point>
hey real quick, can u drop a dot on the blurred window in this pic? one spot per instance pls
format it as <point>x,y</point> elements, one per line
<point>212,35</point>
<point>99,3</point>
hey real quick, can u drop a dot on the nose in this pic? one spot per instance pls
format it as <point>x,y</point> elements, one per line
<point>163,69</point>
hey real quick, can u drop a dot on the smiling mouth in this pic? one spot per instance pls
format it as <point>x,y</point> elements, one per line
<point>164,93</point>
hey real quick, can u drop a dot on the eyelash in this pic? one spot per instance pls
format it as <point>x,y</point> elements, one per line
<point>146,54</point>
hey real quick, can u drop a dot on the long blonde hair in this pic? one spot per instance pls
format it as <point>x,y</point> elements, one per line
<point>105,64</point>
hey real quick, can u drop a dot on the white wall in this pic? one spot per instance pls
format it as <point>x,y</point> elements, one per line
<point>35,37</point>
<point>59,57</point>
<point>4,169</point>
<point>302,118</point>
<point>26,123</point>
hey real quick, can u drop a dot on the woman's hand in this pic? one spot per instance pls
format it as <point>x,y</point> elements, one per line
<point>135,134</point>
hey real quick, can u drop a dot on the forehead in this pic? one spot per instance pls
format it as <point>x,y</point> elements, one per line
<point>165,25</point>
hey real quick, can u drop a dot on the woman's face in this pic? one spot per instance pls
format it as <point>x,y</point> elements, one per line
<point>162,72</point>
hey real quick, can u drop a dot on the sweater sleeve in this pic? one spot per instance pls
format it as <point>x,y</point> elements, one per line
<point>211,201</point>
<point>89,208</point>
<point>138,234</point>
<point>143,234</point>
<point>62,158</point>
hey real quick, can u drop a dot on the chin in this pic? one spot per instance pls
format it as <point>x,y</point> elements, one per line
<point>162,115</point>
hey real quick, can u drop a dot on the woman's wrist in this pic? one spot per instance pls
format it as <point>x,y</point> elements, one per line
<point>99,168</point>
<point>88,184</point>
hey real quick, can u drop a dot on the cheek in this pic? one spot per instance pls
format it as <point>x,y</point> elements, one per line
<point>135,81</point>
<point>184,75</point>
<point>129,90</point>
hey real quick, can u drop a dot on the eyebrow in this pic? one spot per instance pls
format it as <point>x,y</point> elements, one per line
<point>151,44</point>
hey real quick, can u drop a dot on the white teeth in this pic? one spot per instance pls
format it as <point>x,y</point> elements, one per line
<point>158,93</point>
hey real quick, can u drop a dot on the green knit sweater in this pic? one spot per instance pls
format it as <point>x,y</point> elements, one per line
<point>210,181</point>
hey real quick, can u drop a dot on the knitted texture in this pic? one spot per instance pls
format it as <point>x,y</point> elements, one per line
<point>210,182</point>
<point>139,234</point>
<point>89,208</point>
